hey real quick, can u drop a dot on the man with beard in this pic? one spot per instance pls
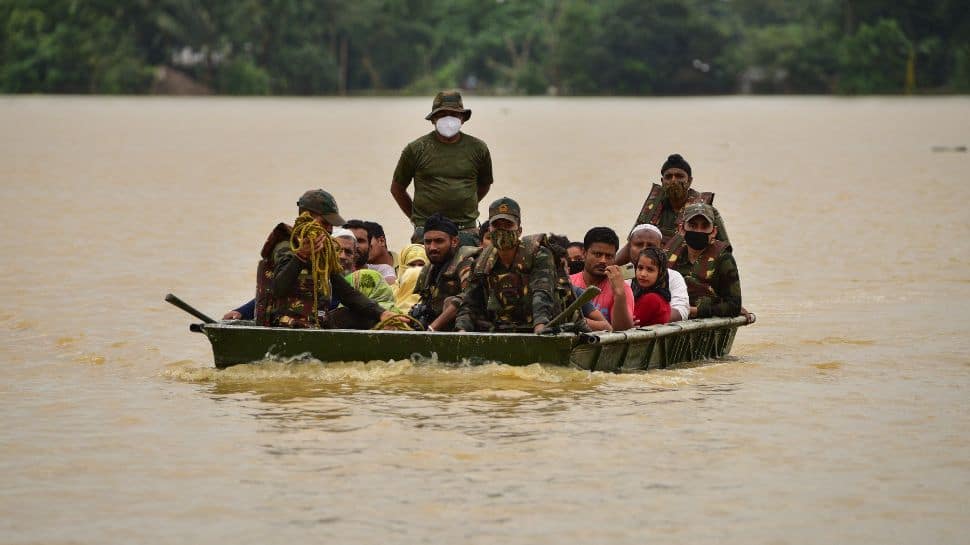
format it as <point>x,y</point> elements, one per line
<point>615,300</point>
<point>707,265</point>
<point>452,171</point>
<point>513,284</point>
<point>666,202</point>
<point>365,234</point>
<point>445,277</point>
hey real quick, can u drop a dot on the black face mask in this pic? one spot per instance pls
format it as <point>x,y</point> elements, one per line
<point>696,240</point>
<point>576,266</point>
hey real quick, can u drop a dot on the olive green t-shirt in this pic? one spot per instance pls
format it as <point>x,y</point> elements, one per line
<point>446,177</point>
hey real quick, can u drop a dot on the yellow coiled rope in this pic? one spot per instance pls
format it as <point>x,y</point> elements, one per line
<point>400,322</point>
<point>306,232</point>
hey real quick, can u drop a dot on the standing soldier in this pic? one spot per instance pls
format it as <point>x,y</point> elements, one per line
<point>452,171</point>
<point>707,265</point>
<point>445,277</point>
<point>513,282</point>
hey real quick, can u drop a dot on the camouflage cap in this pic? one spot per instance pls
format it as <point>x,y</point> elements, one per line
<point>698,209</point>
<point>505,208</point>
<point>449,101</point>
<point>323,203</point>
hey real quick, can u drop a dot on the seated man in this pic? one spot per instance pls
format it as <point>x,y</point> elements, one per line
<point>615,300</point>
<point>379,254</point>
<point>568,293</point>
<point>365,234</point>
<point>646,235</point>
<point>665,203</point>
<point>446,276</point>
<point>707,265</point>
<point>513,282</point>
<point>286,294</point>
<point>367,281</point>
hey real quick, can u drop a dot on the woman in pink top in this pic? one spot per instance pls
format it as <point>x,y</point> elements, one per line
<point>651,291</point>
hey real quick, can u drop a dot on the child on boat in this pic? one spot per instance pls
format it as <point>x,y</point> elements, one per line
<point>651,290</point>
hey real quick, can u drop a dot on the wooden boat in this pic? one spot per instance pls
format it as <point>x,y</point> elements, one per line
<point>236,342</point>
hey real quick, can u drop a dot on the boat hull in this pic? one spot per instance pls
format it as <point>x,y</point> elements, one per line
<point>633,350</point>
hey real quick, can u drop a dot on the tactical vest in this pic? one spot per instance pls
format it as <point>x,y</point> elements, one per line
<point>654,207</point>
<point>508,301</point>
<point>295,310</point>
<point>700,276</point>
<point>448,282</point>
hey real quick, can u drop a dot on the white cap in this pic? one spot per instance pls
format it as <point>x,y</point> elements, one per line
<point>340,232</point>
<point>645,227</point>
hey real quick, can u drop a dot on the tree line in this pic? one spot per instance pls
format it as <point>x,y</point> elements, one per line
<point>564,47</point>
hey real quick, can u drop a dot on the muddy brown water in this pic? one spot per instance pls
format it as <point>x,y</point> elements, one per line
<point>842,418</point>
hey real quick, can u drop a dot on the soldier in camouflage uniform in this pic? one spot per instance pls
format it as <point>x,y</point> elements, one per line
<point>284,286</point>
<point>452,171</point>
<point>513,283</point>
<point>666,202</point>
<point>707,265</point>
<point>443,280</point>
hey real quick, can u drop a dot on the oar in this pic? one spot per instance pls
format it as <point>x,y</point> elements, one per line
<point>188,308</point>
<point>584,298</point>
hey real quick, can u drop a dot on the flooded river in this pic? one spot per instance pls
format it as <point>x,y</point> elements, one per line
<point>844,417</point>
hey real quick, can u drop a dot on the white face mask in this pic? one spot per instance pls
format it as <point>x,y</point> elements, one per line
<point>448,126</point>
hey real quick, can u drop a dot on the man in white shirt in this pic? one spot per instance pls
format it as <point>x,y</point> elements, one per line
<point>644,235</point>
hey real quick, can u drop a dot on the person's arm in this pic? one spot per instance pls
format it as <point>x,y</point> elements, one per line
<point>403,174</point>
<point>472,304</point>
<point>727,289</point>
<point>679,300</point>
<point>623,256</point>
<point>541,285</point>
<point>244,312</point>
<point>485,179</point>
<point>354,300</point>
<point>622,311</point>
<point>596,321</point>
<point>401,197</point>
<point>447,316</point>
<point>286,270</point>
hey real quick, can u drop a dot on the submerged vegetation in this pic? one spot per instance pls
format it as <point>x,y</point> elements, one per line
<point>567,47</point>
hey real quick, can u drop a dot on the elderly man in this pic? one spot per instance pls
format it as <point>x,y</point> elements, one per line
<point>452,171</point>
<point>707,265</point>
<point>513,284</point>
<point>646,235</point>
<point>445,277</point>
<point>665,203</point>
<point>615,300</point>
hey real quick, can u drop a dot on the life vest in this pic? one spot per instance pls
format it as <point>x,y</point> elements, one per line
<point>699,276</point>
<point>295,310</point>
<point>448,282</point>
<point>508,301</point>
<point>654,207</point>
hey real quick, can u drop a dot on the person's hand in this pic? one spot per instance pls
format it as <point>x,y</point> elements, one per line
<point>693,312</point>
<point>304,252</point>
<point>539,328</point>
<point>388,314</point>
<point>232,315</point>
<point>615,274</point>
